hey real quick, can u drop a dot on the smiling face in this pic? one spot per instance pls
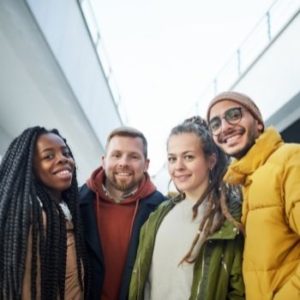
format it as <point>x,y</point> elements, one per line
<point>187,164</point>
<point>235,139</point>
<point>124,164</point>
<point>53,164</point>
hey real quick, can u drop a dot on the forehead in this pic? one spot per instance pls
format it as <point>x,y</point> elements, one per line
<point>49,140</point>
<point>220,107</point>
<point>125,144</point>
<point>184,142</point>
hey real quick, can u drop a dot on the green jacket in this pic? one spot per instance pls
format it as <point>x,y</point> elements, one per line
<point>217,270</point>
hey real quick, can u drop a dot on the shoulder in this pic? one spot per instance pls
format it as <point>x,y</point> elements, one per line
<point>287,150</point>
<point>86,195</point>
<point>154,198</point>
<point>286,157</point>
<point>163,208</point>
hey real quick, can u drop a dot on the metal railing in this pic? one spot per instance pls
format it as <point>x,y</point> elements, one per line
<point>258,40</point>
<point>88,11</point>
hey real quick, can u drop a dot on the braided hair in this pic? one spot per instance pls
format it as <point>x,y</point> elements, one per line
<point>217,192</point>
<point>23,201</point>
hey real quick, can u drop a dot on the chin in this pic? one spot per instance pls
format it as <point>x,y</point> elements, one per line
<point>239,153</point>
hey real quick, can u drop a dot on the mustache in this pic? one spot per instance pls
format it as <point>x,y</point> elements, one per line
<point>123,168</point>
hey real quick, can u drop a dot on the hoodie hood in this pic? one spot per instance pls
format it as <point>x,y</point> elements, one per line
<point>97,180</point>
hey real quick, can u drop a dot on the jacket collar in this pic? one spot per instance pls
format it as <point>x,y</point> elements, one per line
<point>265,145</point>
<point>227,232</point>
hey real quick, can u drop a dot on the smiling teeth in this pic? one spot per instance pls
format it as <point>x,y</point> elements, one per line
<point>64,172</point>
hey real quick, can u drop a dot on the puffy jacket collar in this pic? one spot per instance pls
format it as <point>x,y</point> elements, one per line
<point>265,145</point>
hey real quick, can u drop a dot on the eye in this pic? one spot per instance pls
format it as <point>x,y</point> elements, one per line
<point>234,114</point>
<point>188,157</point>
<point>67,153</point>
<point>116,155</point>
<point>171,159</point>
<point>48,156</point>
<point>215,123</point>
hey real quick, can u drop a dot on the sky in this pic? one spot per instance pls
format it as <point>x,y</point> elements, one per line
<point>163,53</point>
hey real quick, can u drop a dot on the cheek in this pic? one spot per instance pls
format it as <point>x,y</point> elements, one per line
<point>39,172</point>
<point>216,139</point>
<point>139,168</point>
<point>170,169</point>
<point>108,165</point>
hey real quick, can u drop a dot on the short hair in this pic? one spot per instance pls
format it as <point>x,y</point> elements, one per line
<point>129,132</point>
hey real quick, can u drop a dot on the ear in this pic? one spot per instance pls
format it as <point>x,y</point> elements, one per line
<point>212,160</point>
<point>260,127</point>
<point>103,160</point>
<point>147,162</point>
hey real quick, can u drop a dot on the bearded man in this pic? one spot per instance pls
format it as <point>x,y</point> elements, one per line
<point>268,169</point>
<point>114,203</point>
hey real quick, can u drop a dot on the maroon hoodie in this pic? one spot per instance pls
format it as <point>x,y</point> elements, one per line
<point>115,221</point>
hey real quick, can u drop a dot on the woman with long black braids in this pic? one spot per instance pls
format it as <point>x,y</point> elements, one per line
<point>41,244</point>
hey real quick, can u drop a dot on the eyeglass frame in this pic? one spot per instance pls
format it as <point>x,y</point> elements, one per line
<point>226,118</point>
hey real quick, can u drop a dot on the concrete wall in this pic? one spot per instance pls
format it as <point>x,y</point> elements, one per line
<point>66,33</point>
<point>50,76</point>
<point>274,79</point>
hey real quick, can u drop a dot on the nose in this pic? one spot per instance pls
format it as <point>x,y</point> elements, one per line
<point>179,164</point>
<point>62,158</point>
<point>123,161</point>
<point>224,125</point>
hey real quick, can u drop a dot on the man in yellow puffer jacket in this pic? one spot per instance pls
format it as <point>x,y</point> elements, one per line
<point>269,171</point>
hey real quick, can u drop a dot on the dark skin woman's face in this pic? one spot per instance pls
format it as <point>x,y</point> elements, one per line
<point>53,164</point>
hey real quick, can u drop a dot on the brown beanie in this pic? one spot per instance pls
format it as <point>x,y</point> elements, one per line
<point>239,98</point>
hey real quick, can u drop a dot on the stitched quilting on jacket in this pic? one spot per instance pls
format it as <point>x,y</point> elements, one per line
<point>270,175</point>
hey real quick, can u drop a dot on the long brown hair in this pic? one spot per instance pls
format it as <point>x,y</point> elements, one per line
<point>216,193</point>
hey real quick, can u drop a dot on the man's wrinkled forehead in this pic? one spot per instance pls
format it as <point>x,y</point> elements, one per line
<point>125,143</point>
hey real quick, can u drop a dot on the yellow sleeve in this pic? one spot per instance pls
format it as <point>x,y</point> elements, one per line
<point>291,290</point>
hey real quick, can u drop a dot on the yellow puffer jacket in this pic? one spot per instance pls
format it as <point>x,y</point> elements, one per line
<point>270,175</point>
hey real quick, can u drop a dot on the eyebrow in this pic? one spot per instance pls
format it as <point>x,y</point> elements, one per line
<point>52,148</point>
<point>221,115</point>
<point>183,153</point>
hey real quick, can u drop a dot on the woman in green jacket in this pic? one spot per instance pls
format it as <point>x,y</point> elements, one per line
<point>191,246</point>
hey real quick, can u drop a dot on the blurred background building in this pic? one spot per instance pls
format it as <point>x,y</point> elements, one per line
<point>54,72</point>
<point>266,66</point>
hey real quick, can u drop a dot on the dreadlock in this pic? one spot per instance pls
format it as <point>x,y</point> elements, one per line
<point>23,199</point>
<point>217,192</point>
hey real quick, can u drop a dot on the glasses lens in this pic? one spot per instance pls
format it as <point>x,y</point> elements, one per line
<point>233,115</point>
<point>215,124</point>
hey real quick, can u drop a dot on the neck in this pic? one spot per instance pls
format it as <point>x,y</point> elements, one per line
<point>117,195</point>
<point>55,195</point>
<point>196,194</point>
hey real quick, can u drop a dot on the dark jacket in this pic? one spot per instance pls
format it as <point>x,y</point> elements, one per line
<point>94,249</point>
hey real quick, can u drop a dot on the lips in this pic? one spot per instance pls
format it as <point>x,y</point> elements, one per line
<point>182,178</point>
<point>123,174</point>
<point>231,137</point>
<point>65,173</point>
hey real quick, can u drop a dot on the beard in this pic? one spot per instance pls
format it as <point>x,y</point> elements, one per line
<point>251,138</point>
<point>122,185</point>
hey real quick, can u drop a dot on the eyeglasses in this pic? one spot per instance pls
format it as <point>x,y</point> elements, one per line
<point>232,116</point>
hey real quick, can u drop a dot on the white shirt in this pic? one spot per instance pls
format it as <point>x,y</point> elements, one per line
<point>167,279</point>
